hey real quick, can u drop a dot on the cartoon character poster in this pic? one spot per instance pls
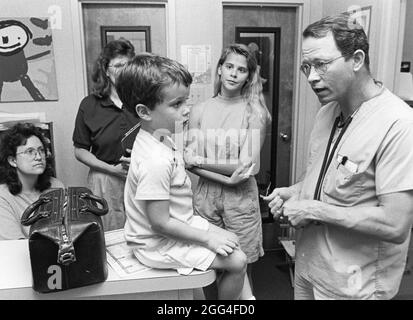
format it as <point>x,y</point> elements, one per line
<point>27,67</point>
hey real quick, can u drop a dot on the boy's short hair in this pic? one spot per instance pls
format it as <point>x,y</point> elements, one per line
<point>144,77</point>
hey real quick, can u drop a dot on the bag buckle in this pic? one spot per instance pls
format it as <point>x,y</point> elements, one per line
<point>66,254</point>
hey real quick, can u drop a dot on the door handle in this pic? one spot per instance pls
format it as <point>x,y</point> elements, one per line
<point>284,137</point>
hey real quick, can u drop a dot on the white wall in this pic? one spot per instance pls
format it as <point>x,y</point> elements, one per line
<point>385,34</point>
<point>199,22</point>
<point>63,111</point>
<point>334,7</point>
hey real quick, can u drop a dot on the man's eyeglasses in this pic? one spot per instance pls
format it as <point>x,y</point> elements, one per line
<point>320,66</point>
<point>32,152</point>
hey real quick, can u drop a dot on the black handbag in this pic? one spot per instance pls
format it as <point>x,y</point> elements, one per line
<point>66,239</point>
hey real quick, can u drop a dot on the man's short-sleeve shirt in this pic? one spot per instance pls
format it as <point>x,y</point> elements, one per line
<point>378,148</point>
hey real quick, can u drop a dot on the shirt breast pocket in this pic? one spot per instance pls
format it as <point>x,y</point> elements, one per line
<point>342,185</point>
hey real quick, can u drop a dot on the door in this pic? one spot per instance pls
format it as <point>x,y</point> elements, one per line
<point>143,24</point>
<point>271,31</point>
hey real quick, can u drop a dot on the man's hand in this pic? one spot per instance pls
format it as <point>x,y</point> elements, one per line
<point>276,200</point>
<point>221,241</point>
<point>300,212</point>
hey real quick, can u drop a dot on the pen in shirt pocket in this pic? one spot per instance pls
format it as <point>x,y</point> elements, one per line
<point>347,163</point>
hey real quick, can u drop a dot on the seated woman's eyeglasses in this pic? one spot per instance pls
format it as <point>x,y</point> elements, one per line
<point>32,152</point>
<point>320,66</point>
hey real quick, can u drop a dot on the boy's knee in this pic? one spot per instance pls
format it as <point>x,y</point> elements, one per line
<point>239,264</point>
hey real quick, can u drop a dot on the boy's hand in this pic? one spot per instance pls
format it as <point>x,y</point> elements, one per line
<point>191,159</point>
<point>222,241</point>
<point>188,155</point>
<point>125,162</point>
<point>119,171</point>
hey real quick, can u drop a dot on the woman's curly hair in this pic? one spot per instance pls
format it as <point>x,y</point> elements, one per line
<point>9,141</point>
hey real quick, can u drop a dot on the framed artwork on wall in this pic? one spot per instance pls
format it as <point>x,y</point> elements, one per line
<point>27,63</point>
<point>139,36</point>
<point>363,16</point>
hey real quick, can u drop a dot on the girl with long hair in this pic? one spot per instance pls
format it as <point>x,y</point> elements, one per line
<point>226,132</point>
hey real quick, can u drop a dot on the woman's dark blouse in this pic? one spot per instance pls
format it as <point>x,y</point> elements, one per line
<point>100,127</point>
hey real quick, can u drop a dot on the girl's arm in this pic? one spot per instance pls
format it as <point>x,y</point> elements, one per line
<point>194,150</point>
<point>250,150</point>
<point>237,177</point>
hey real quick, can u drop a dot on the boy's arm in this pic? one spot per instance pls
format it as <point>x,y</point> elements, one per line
<point>219,241</point>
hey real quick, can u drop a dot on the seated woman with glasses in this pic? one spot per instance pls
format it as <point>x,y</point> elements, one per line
<point>25,172</point>
<point>104,131</point>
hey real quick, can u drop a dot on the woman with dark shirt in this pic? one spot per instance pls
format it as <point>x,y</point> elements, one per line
<point>25,172</point>
<point>104,132</point>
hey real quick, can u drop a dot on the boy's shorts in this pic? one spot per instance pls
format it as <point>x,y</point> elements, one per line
<point>182,256</point>
<point>235,209</point>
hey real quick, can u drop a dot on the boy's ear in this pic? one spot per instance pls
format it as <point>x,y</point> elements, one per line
<point>143,112</point>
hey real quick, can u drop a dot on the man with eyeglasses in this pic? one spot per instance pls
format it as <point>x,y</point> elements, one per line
<point>354,208</point>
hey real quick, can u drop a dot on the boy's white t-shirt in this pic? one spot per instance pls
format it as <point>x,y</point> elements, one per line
<point>156,172</point>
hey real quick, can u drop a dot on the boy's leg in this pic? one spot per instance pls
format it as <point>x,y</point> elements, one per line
<point>211,291</point>
<point>232,280</point>
<point>246,293</point>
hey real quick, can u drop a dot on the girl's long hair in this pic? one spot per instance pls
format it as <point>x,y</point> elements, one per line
<point>252,89</point>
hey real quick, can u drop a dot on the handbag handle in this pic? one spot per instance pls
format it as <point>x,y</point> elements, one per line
<point>27,219</point>
<point>94,209</point>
